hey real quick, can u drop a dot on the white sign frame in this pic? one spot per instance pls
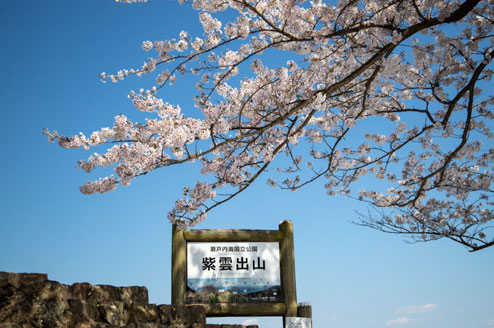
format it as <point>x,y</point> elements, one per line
<point>234,272</point>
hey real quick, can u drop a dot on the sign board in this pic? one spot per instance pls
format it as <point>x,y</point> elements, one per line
<point>235,272</point>
<point>238,272</point>
<point>297,322</point>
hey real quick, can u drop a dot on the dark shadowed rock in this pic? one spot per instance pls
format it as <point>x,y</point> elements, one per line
<point>9,325</point>
<point>81,290</point>
<point>113,313</point>
<point>143,312</point>
<point>230,326</point>
<point>4,279</point>
<point>84,309</point>
<point>21,279</point>
<point>30,300</point>
<point>175,314</point>
<point>135,294</point>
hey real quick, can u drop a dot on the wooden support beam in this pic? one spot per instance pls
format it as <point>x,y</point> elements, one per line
<point>245,309</point>
<point>179,250</point>
<point>231,235</point>
<point>304,310</point>
<point>287,255</point>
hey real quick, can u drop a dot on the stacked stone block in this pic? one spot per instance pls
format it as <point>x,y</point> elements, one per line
<point>31,300</point>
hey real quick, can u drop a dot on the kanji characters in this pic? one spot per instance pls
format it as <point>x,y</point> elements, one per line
<point>208,263</point>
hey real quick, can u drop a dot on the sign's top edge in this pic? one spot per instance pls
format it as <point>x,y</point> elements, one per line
<point>233,230</point>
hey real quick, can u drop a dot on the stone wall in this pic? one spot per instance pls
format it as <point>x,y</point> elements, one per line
<point>31,300</point>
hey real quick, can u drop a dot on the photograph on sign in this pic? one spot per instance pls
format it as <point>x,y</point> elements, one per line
<point>233,272</point>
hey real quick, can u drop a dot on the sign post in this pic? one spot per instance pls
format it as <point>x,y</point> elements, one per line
<point>235,272</point>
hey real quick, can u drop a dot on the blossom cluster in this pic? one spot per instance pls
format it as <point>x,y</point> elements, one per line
<point>374,88</point>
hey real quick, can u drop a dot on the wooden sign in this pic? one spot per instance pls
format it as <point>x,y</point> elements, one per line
<point>235,272</point>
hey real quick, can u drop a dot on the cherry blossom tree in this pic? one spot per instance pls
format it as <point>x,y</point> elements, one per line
<point>393,90</point>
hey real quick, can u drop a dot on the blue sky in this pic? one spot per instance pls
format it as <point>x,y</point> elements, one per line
<point>51,53</point>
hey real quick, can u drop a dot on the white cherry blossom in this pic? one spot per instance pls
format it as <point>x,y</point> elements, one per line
<point>398,90</point>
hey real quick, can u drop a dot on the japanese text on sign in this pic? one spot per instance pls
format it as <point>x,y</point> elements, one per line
<point>233,260</point>
<point>225,264</point>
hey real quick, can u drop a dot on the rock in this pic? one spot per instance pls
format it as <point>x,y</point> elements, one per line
<point>22,279</point>
<point>4,279</point>
<point>9,325</point>
<point>199,325</point>
<point>150,325</point>
<point>135,294</point>
<point>143,312</point>
<point>196,314</point>
<point>230,326</point>
<point>108,293</point>
<point>84,309</point>
<point>174,314</point>
<point>113,313</point>
<point>81,290</point>
<point>104,293</point>
<point>30,300</point>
